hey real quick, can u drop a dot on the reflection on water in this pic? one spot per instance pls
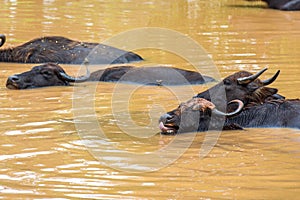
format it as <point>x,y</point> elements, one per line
<point>42,156</point>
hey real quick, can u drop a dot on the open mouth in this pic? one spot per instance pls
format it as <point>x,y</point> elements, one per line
<point>12,86</point>
<point>168,129</point>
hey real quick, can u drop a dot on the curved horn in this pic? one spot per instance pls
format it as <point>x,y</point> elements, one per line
<point>78,79</point>
<point>249,79</point>
<point>241,105</point>
<point>3,39</point>
<point>271,80</point>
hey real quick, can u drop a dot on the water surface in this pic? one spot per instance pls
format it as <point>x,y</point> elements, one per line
<point>42,155</point>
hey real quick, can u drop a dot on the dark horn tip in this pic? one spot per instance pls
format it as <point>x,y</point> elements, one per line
<point>249,79</point>
<point>2,39</point>
<point>80,79</point>
<point>239,109</point>
<point>272,79</point>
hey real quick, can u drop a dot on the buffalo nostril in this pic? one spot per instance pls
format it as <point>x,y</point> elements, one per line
<point>14,78</point>
<point>164,118</point>
<point>170,117</point>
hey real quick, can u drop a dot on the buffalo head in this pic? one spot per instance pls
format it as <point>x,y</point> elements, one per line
<point>49,74</point>
<point>244,86</point>
<point>194,115</point>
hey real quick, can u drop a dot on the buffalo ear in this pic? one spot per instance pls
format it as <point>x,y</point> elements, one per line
<point>267,91</point>
<point>273,90</point>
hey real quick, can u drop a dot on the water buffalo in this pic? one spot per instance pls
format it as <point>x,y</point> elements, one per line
<point>242,85</point>
<point>288,5</point>
<point>65,51</point>
<point>51,74</point>
<point>196,115</point>
<point>274,113</point>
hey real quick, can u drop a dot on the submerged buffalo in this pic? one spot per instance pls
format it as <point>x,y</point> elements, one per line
<point>196,115</point>
<point>51,74</point>
<point>65,51</point>
<point>274,113</point>
<point>288,5</point>
<point>255,96</point>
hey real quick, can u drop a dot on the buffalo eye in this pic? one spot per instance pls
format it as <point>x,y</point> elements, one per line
<point>226,82</point>
<point>47,74</point>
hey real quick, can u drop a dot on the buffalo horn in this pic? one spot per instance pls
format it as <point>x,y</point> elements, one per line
<point>241,105</point>
<point>271,80</point>
<point>3,39</point>
<point>249,79</point>
<point>76,79</point>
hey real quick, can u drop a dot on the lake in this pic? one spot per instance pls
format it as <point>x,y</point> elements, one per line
<point>101,140</point>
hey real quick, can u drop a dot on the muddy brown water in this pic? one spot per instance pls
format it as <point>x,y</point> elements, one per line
<point>43,156</point>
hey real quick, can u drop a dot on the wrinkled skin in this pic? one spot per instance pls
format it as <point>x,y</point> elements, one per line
<point>62,50</point>
<point>243,86</point>
<point>287,5</point>
<point>51,74</point>
<point>274,113</point>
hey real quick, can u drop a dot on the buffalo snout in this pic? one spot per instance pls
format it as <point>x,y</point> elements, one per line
<point>13,78</point>
<point>13,82</point>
